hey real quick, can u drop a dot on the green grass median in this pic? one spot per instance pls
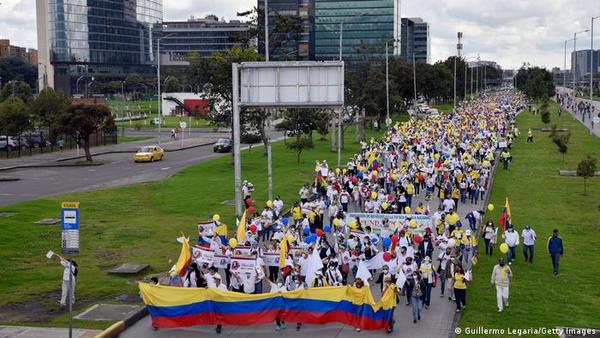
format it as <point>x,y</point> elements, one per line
<point>540,197</point>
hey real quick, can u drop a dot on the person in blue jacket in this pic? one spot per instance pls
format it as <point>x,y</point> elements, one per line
<point>555,249</point>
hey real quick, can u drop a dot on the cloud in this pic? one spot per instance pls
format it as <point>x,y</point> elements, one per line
<point>507,31</point>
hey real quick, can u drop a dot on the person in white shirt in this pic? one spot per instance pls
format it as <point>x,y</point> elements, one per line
<point>68,277</point>
<point>278,206</point>
<point>528,243</point>
<point>210,277</point>
<point>511,238</point>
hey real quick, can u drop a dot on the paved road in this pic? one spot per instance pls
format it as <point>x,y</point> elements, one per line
<point>118,169</point>
<point>437,321</point>
<point>588,122</point>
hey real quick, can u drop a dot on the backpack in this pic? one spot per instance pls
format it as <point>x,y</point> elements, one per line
<point>76,269</point>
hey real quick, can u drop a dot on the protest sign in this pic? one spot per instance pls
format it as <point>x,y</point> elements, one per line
<point>220,261</point>
<point>375,221</point>
<point>202,255</point>
<point>206,228</point>
<point>242,264</point>
<point>271,259</point>
<point>242,250</point>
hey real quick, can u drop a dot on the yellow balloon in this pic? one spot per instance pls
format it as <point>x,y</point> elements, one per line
<point>353,224</point>
<point>233,243</point>
<point>336,222</point>
<point>407,210</point>
<point>384,205</point>
<point>412,223</point>
<point>490,207</point>
<point>337,171</point>
<point>373,195</point>
<point>344,171</point>
<point>269,204</point>
<point>216,217</point>
<point>504,248</point>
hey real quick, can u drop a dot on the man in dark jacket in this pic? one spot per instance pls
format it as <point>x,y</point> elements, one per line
<point>555,249</point>
<point>425,247</point>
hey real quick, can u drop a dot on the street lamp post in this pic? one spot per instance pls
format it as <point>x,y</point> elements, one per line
<point>159,108</point>
<point>592,60</point>
<point>574,62</point>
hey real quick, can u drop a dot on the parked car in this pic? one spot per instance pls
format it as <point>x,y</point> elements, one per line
<point>223,145</point>
<point>8,142</point>
<point>35,140</point>
<point>149,154</point>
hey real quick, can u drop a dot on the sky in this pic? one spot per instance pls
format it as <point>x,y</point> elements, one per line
<point>509,32</point>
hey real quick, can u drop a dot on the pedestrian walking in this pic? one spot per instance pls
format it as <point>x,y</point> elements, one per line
<point>555,249</point>
<point>501,275</point>
<point>528,243</point>
<point>511,238</point>
<point>460,288</point>
<point>416,295</point>
<point>490,235</point>
<point>529,136</point>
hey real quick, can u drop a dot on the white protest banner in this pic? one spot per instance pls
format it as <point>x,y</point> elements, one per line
<point>271,259</point>
<point>375,221</point>
<point>295,250</point>
<point>242,264</point>
<point>206,228</point>
<point>220,261</point>
<point>202,255</point>
<point>242,250</point>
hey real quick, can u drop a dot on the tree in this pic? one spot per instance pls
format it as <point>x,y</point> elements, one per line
<point>536,82</point>
<point>284,32</point>
<point>562,142</point>
<point>80,121</point>
<point>15,68</point>
<point>171,85</point>
<point>14,117</point>
<point>20,89</point>
<point>46,108</point>
<point>545,115</point>
<point>300,144</point>
<point>586,169</point>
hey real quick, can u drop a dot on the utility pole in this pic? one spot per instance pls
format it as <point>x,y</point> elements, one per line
<point>592,60</point>
<point>268,112</point>
<point>458,49</point>
<point>387,84</point>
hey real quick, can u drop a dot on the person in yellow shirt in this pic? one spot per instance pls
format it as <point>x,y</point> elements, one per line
<point>297,213</point>
<point>460,288</point>
<point>410,190</point>
<point>469,247</point>
<point>455,196</point>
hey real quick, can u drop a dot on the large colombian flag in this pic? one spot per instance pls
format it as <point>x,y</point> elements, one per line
<point>176,307</point>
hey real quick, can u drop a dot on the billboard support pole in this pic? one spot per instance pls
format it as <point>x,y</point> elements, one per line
<point>237,163</point>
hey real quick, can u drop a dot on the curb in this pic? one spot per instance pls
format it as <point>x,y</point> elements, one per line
<point>98,154</point>
<point>135,150</point>
<point>122,325</point>
<point>50,166</point>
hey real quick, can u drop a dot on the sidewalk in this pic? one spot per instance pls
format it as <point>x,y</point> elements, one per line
<point>37,332</point>
<point>588,121</point>
<point>55,158</point>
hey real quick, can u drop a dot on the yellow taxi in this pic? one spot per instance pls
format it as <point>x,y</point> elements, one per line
<point>149,154</point>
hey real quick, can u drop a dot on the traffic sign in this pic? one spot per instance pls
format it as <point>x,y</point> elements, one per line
<point>70,227</point>
<point>182,124</point>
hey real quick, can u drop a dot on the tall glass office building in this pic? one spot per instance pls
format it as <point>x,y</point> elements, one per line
<point>82,41</point>
<point>366,26</point>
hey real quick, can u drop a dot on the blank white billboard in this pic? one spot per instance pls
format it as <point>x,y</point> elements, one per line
<point>292,84</point>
